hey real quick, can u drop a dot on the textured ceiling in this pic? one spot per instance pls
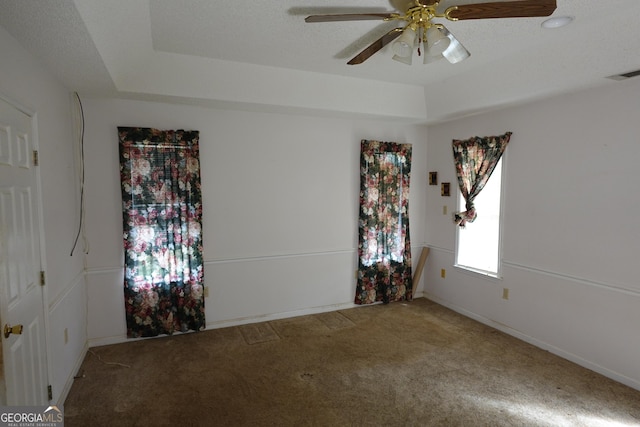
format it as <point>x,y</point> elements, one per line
<point>93,46</point>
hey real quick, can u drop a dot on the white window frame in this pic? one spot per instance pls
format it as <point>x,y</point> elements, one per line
<point>485,273</point>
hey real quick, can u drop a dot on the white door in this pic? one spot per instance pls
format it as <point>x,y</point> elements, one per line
<point>21,302</point>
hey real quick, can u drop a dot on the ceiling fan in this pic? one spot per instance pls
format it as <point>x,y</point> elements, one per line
<point>437,42</point>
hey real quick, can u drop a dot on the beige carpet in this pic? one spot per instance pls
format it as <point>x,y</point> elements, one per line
<point>402,364</point>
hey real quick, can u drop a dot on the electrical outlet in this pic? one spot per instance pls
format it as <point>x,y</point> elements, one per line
<point>505,293</point>
<point>66,335</point>
<point>444,210</point>
<point>206,292</point>
<point>443,273</point>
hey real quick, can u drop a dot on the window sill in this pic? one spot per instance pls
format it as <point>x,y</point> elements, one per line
<point>479,273</point>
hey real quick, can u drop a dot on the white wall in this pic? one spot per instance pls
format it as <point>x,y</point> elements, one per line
<point>571,237</point>
<point>280,208</point>
<point>24,80</point>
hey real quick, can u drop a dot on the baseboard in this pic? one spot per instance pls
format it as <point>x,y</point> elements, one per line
<point>118,339</point>
<point>541,344</point>
<point>277,316</point>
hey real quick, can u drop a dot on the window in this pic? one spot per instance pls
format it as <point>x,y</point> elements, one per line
<point>384,248</point>
<point>478,243</point>
<point>162,213</point>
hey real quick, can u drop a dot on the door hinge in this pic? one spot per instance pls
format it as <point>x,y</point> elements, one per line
<point>42,278</point>
<point>50,392</point>
<point>36,161</point>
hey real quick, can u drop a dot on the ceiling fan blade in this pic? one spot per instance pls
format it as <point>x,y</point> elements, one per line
<point>349,17</point>
<point>375,46</point>
<point>509,9</point>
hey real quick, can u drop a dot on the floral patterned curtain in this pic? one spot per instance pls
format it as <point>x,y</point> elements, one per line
<point>475,160</point>
<point>162,213</point>
<point>384,248</point>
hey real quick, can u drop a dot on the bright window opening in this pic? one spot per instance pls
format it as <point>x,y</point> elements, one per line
<point>478,244</point>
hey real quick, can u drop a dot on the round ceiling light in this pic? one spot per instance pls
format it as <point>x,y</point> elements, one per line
<point>557,22</point>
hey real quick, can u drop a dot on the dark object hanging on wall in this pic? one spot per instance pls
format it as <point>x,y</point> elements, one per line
<point>433,178</point>
<point>445,189</point>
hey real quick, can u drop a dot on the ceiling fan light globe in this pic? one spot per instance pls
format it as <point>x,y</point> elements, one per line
<point>403,47</point>
<point>430,56</point>
<point>428,59</point>
<point>436,41</point>
<point>439,46</point>
<point>456,52</point>
<point>403,59</point>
